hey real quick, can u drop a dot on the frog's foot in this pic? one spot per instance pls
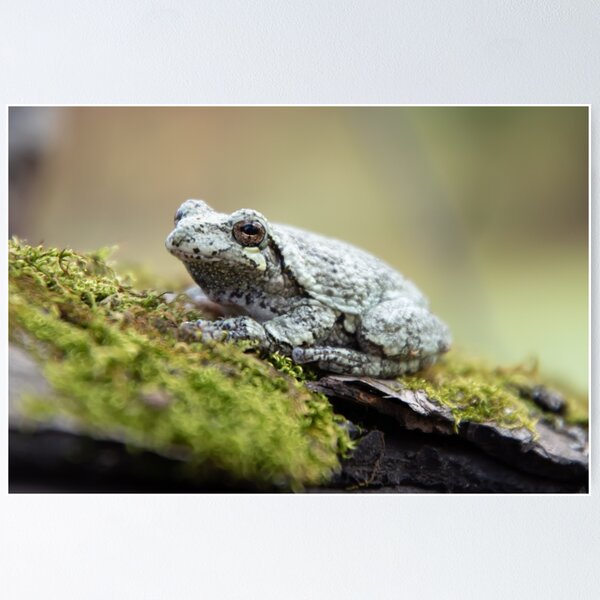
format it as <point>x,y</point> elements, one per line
<point>232,329</point>
<point>354,362</point>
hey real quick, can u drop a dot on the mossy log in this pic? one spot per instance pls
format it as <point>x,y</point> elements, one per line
<point>101,374</point>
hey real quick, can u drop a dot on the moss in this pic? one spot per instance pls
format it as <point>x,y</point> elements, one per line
<point>115,360</point>
<point>475,391</point>
<point>286,365</point>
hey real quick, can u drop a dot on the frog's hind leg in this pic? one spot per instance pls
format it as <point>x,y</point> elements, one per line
<point>402,330</point>
<point>355,362</point>
<point>395,337</point>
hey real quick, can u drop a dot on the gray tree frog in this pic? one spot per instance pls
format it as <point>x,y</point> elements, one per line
<point>315,299</point>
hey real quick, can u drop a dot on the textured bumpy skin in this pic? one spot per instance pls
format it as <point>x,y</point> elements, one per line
<point>309,297</point>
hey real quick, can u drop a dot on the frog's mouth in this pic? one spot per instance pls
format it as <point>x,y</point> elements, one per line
<point>188,255</point>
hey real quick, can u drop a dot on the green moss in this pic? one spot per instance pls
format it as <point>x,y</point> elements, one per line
<point>476,392</point>
<point>286,365</point>
<point>115,360</point>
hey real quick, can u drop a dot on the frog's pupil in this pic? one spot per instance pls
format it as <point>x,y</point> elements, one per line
<point>250,229</point>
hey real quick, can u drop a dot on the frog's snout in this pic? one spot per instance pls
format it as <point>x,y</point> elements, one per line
<point>173,241</point>
<point>178,242</point>
<point>189,243</point>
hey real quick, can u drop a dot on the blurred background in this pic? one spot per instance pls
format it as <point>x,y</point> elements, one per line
<point>485,209</point>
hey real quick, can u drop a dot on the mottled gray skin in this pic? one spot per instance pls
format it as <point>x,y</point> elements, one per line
<point>309,297</point>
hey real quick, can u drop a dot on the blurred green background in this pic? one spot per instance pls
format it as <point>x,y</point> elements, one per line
<point>485,209</point>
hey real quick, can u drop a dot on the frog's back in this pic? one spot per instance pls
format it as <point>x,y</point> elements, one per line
<point>338,274</point>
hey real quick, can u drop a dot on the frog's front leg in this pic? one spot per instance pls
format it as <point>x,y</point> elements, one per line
<point>304,325</point>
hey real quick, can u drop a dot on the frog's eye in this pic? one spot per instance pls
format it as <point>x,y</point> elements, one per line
<point>249,233</point>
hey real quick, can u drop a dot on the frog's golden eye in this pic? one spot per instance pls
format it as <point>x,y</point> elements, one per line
<point>249,233</point>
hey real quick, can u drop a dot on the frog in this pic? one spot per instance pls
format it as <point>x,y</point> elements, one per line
<point>318,300</point>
